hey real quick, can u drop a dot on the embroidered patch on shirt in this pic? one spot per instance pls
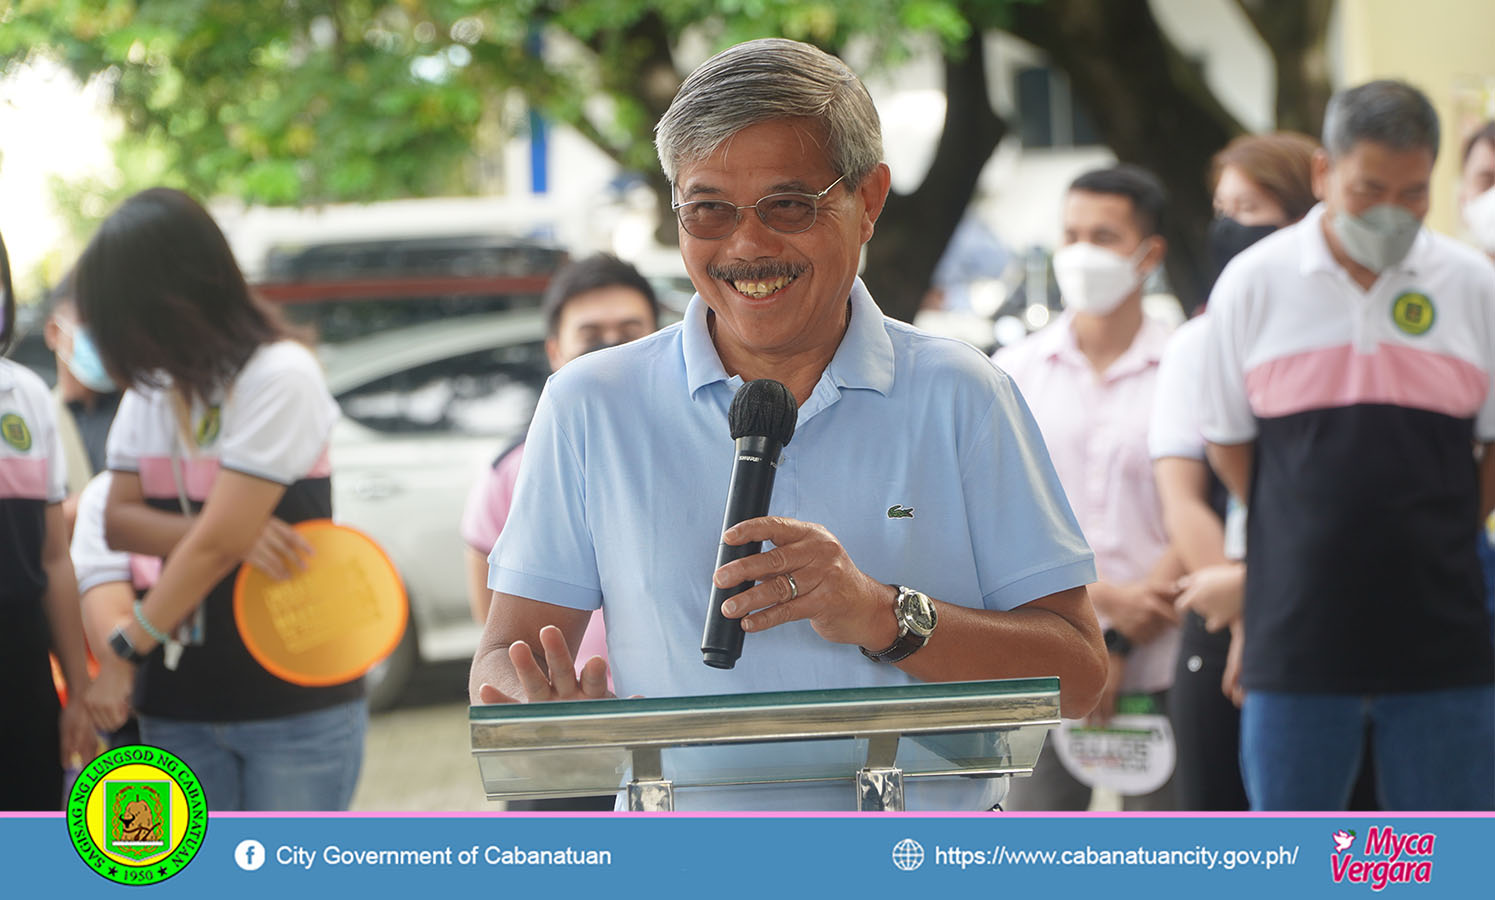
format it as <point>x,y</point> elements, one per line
<point>1413,313</point>
<point>13,429</point>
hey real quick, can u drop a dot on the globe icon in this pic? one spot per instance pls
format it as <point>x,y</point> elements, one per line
<point>908,854</point>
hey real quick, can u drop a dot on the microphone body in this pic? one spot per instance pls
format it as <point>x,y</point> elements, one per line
<point>751,488</point>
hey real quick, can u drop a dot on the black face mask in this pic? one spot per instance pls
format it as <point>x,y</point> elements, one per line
<point>1227,237</point>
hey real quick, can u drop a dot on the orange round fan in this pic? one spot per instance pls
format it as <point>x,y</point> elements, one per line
<point>331,622</point>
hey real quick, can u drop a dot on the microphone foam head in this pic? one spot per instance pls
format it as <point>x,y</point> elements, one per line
<point>763,408</point>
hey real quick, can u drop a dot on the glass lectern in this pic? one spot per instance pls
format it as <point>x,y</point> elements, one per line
<point>873,739</point>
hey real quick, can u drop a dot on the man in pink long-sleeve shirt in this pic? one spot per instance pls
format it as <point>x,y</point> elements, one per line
<point>1089,379</point>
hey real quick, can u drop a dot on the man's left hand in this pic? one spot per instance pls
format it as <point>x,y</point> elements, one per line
<point>806,574</point>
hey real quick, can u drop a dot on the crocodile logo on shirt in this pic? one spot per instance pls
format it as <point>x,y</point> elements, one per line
<point>1413,313</point>
<point>14,431</point>
<point>900,512</point>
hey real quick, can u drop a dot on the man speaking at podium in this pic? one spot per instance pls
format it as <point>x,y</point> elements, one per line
<point>916,485</point>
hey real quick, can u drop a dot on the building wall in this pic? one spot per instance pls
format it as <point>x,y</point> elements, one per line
<point>1444,47</point>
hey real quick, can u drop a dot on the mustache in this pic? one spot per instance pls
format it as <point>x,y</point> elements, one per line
<point>762,270</point>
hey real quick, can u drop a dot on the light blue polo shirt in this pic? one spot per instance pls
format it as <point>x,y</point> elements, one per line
<point>623,486</point>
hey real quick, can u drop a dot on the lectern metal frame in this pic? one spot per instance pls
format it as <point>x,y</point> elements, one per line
<point>604,732</point>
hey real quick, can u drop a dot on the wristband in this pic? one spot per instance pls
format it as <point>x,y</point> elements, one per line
<point>157,634</point>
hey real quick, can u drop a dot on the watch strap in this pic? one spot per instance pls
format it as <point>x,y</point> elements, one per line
<point>901,649</point>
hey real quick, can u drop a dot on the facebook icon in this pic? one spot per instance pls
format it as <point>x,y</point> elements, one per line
<point>250,855</point>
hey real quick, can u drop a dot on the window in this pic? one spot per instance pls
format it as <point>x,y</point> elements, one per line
<point>1048,113</point>
<point>343,291</point>
<point>341,320</point>
<point>491,392</point>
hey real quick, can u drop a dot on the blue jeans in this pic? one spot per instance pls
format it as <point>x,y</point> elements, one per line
<point>307,761</point>
<point>1434,750</point>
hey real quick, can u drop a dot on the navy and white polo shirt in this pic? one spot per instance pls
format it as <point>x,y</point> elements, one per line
<point>1364,407</point>
<point>32,475</point>
<point>273,423</point>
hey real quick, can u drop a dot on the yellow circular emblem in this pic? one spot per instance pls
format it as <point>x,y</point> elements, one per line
<point>1413,313</point>
<point>14,432</point>
<point>137,815</point>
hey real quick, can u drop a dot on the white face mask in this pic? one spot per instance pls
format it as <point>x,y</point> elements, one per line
<point>1378,238</point>
<point>1095,280</point>
<point>1479,215</point>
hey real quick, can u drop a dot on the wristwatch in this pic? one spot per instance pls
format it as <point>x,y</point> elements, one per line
<point>119,642</point>
<point>916,620</point>
<point>1117,643</point>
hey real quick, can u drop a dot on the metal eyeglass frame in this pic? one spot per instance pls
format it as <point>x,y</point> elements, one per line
<point>814,204</point>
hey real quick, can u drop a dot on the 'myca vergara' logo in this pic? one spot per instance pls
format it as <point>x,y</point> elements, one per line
<point>1405,858</point>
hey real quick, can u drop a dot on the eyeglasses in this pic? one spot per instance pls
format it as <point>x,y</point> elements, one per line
<point>786,213</point>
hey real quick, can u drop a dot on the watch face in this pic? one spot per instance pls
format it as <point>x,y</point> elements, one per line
<point>918,611</point>
<point>122,647</point>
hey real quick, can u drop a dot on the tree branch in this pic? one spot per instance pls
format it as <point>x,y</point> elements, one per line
<point>1150,103</point>
<point>1295,35</point>
<point>915,228</point>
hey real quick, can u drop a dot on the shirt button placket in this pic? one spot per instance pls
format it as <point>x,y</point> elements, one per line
<point>1098,427</point>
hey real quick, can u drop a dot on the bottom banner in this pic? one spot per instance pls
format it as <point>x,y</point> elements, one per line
<point>286,856</point>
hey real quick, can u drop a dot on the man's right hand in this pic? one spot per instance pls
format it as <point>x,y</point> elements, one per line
<point>1138,610</point>
<point>539,685</point>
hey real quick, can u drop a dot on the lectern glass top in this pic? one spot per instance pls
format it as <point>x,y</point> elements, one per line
<point>615,707</point>
<point>978,728</point>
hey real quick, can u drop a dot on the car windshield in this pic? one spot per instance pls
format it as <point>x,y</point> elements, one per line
<point>478,376</point>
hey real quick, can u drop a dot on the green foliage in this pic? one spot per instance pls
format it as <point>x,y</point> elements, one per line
<point>311,101</point>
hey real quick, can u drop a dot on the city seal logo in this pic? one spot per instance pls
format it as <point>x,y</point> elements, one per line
<point>900,512</point>
<point>13,429</point>
<point>1413,313</point>
<point>207,429</point>
<point>137,815</point>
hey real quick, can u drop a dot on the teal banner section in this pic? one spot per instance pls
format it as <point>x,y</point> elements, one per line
<point>662,855</point>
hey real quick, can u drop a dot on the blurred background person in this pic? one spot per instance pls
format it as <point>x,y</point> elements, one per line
<point>1347,376</point>
<point>219,446</point>
<point>590,304</point>
<point>38,593</point>
<point>1260,183</point>
<point>86,397</point>
<point>1089,378</point>
<point>1477,187</point>
<point>107,585</point>
<point>1477,205</point>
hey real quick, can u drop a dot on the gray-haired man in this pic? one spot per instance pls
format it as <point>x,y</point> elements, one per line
<point>775,155</point>
<point>1348,388</point>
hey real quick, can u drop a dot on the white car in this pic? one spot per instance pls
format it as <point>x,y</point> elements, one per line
<point>426,410</point>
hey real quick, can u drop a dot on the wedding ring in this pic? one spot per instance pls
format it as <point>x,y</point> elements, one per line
<point>793,588</point>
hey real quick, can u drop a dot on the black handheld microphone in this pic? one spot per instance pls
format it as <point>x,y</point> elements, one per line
<point>762,420</point>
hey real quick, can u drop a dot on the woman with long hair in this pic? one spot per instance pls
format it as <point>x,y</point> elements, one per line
<point>219,446</point>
